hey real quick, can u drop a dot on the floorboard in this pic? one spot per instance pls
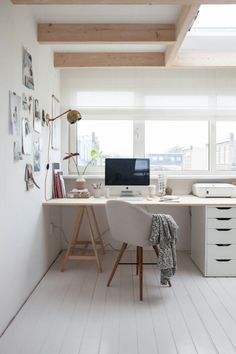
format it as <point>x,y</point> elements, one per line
<point>74,312</point>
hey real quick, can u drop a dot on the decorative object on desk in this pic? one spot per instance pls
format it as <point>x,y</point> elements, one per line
<point>29,178</point>
<point>97,190</point>
<point>78,193</point>
<point>161,184</point>
<point>169,190</point>
<point>37,116</point>
<point>81,181</point>
<point>28,79</point>
<point>15,113</point>
<point>151,190</point>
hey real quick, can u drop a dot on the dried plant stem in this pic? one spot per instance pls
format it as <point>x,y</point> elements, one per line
<point>76,165</point>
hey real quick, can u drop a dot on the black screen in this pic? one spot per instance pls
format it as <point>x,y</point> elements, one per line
<point>127,172</point>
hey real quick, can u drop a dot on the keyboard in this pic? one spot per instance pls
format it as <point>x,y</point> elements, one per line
<point>130,198</point>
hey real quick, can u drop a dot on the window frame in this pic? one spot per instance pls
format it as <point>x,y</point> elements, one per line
<point>139,147</point>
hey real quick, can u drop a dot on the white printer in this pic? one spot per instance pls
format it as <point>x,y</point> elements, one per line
<point>214,190</point>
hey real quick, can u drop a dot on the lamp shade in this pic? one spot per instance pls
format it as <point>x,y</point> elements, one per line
<point>73,116</point>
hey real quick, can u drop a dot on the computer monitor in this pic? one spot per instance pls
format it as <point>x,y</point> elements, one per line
<point>127,173</point>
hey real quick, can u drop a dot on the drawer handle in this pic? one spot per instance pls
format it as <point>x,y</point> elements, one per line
<point>223,244</point>
<point>223,229</point>
<point>223,208</point>
<point>223,260</point>
<point>223,218</point>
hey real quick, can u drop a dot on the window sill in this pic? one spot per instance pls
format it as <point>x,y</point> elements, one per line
<point>169,176</point>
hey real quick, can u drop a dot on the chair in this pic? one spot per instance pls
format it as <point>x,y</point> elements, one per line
<point>132,226</point>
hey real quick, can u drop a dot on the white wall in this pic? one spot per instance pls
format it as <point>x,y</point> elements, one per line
<point>26,248</point>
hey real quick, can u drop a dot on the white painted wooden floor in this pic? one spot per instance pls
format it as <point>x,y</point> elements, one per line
<point>75,313</point>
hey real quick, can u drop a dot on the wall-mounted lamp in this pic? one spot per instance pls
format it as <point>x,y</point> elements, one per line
<point>73,116</point>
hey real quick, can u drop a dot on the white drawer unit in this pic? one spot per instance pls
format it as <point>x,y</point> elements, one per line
<point>221,223</point>
<point>221,235</point>
<point>213,240</point>
<point>221,212</point>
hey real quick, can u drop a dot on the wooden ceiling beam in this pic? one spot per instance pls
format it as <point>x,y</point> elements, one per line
<point>121,2</point>
<point>105,33</point>
<point>184,23</point>
<point>87,60</point>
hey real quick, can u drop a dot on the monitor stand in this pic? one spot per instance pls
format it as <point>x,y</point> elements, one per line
<point>127,193</point>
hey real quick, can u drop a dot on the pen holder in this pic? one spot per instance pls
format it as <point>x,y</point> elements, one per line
<point>97,190</point>
<point>97,193</point>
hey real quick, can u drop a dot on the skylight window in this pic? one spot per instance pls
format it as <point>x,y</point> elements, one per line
<point>216,17</point>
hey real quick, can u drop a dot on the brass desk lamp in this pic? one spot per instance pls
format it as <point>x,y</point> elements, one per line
<point>72,116</point>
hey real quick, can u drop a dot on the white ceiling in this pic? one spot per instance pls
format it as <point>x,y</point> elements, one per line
<point>105,13</point>
<point>109,48</point>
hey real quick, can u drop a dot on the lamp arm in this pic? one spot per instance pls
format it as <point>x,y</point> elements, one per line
<point>52,119</point>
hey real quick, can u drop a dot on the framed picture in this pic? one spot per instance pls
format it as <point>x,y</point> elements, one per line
<point>55,141</point>
<point>37,116</point>
<point>15,113</point>
<point>28,79</point>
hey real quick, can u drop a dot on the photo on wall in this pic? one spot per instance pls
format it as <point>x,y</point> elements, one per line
<point>43,118</point>
<point>17,151</point>
<point>36,155</point>
<point>28,79</point>
<point>26,136</point>
<point>25,105</point>
<point>37,116</point>
<point>15,113</point>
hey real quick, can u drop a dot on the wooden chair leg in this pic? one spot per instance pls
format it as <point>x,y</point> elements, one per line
<point>141,273</point>
<point>156,249</point>
<point>122,250</point>
<point>137,260</point>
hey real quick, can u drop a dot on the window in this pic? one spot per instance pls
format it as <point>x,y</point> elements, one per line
<point>226,146</point>
<point>113,138</point>
<point>177,145</point>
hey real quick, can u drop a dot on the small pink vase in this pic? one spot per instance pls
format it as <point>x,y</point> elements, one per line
<point>80,182</point>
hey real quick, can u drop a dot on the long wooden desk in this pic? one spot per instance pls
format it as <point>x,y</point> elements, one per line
<point>86,210</point>
<point>184,200</point>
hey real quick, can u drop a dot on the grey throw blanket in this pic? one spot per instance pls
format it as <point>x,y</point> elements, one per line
<point>164,233</point>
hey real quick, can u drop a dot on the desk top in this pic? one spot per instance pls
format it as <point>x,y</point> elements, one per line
<point>184,200</point>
